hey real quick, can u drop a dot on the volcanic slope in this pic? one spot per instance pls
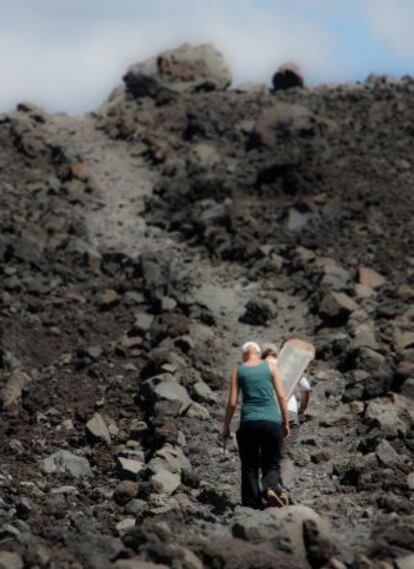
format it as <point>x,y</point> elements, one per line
<point>141,245</point>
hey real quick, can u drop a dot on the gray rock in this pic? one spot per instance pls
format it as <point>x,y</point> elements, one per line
<point>97,429</point>
<point>407,388</point>
<point>66,462</point>
<point>13,390</point>
<point>107,299</point>
<point>143,322</point>
<point>403,339</point>
<point>202,392</point>
<point>93,550</point>
<point>170,458</point>
<point>370,278</point>
<point>165,482</point>
<point>125,525</point>
<point>337,305</point>
<point>136,507</point>
<point>165,388</point>
<point>298,217</point>
<point>283,120</point>
<point>406,562</point>
<point>64,490</point>
<point>184,69</point>
<point>283,526</point>
<point>364,337</point>
<point>385,415</point>
<point>387,455</point>
<point>130,468</point>
<point>15,446</point>
<point>410,481</point>
<point>197,411</point>
<point>335,277</point>
<point>126,490</point>
<point>93,352</point>
<point>9,560</point>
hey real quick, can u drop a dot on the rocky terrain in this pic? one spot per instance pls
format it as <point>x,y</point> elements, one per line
<point>140,246</point>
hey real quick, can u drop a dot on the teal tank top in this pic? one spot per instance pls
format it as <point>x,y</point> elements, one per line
<point>259,398</point>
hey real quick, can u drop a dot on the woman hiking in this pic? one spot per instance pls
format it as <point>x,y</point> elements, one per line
<point>264,423</point>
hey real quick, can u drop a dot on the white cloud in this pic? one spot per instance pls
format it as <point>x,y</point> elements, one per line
<point>68,55</point>
<point>391,21</point>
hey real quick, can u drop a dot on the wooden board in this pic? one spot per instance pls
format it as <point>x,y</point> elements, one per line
<point>293,359</point>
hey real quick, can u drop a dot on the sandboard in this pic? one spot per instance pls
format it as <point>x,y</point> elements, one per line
<point>292,361</point>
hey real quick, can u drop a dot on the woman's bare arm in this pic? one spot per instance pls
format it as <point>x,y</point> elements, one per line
<point>280,393</point>
<point>232,402</point>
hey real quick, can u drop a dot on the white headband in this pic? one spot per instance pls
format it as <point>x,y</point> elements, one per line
<point>254,345</point>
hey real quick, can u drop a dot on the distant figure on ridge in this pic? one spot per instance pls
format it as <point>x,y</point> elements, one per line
<point>287,76</point>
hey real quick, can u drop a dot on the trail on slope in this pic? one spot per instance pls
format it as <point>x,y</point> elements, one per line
<point>116,222</point>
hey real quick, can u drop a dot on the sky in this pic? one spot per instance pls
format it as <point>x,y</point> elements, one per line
<point>68,55</point>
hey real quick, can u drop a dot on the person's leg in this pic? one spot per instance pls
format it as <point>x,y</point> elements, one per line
<point>249,457</point>
<point>271,454</point>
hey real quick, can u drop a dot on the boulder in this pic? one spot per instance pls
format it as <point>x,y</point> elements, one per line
<point>284,527</point>
<point>287,76</point>
<point>184,69</point>
<point>97,429</point>
<point>64,461</point>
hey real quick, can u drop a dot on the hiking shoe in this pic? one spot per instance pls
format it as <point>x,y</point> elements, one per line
<point>278,500</point>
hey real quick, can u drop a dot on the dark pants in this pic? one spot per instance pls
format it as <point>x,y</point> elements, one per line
<point>260,447</point>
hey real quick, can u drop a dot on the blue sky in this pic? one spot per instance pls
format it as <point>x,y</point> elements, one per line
<point>67,55</point>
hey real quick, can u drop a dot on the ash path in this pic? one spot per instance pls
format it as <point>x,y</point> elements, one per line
<point>116,221</point>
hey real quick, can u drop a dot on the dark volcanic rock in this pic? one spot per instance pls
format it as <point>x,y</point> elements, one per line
<point>287,76</point>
